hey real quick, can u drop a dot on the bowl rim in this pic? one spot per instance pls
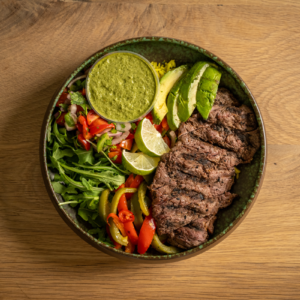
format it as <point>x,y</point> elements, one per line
<point>147,62</point>
<point>154,258</point>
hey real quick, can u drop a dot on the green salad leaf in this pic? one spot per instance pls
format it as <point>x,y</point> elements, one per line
<point>85,157</point>
<point>78,99</point>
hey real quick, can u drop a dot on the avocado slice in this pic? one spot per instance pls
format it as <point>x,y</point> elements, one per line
<point>207,91</point>
<point>160,108</point>
<point>172,115</point>
<point>187,98</point>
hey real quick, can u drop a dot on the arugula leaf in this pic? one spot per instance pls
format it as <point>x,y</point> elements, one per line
<point>60,138</point>
<point>94,205</point>
<point>74,183</point>
<point>58,154</point>
<point>84,213</point>
<point>106,177</point>
<point>61,189</point>
<point>85,156</point>
<point>97,168</point>
<point>86,184</point>
<point>123,171</point>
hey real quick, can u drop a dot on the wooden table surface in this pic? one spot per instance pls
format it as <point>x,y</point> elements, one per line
<point>41,42</point>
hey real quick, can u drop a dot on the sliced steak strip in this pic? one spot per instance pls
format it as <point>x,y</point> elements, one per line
<point>194,146</point>
<point>225,98</point>
<point>228,112</point>
<point>197,164</point>
<point>240,118</point>
<point>193,234</point>
<point>176,178</point>
<point>243,144</point>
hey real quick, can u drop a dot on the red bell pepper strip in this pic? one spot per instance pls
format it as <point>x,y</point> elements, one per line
<point>61,119</point>
<point>124,228</point>
<point>146,234</point>
<point>164,124</point>
<point>129,180</point>
<point>118,223</point>
<point>117,245</point>
<point>126,216</point>
<point>167,141</point>
<point>135,184</point>
<point>99,125</point>
<point>85,128</point>
<point>126,144</point>
<point>83,92</point>
<point>131,232</point>
<point>129,227</point>
<point>91,117</point>
<point>83,142</point>
<point>118,155</point>
<point>122,205</point>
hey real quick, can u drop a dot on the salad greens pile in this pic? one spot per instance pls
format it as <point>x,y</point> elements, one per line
<point>78,179</point>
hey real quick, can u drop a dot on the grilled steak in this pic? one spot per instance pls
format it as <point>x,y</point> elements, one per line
<point>229,113</point>
<point>193,180</point>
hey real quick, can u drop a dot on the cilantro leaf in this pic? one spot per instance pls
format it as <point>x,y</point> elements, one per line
<point>78,99</point>
<point>133,126</point>
<point>122,125</point>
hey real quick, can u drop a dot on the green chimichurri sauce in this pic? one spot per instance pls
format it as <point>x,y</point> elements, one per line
<point>121,87</point>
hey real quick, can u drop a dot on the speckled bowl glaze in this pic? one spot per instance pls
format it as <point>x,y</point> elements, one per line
<point>161,49</point>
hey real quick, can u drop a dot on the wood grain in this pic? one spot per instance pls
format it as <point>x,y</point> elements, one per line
<point>41,42</point>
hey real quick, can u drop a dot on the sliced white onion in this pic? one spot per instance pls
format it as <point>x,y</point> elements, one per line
<point>173,138</point>
<point>69,128</point>
<point>75,79</point>
<point>72,109</point>
<point>118,133</point>
<point>104,131</point>
<point>61,109</point>
<point>119,126</point>
<point>117,140</point>
<point>69,96</point>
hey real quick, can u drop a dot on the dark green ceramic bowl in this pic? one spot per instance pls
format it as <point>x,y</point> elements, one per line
<point>161,49</point>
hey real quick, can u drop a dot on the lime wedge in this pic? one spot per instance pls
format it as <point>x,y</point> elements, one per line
<point>139,163</point>
<point>149,140</point>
